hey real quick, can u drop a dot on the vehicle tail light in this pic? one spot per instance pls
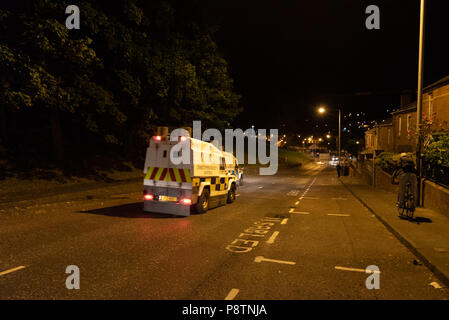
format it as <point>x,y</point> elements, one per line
<point>183,139</point>
<point>186,201</point>
<point>148,197</point>
<point>157,138</point>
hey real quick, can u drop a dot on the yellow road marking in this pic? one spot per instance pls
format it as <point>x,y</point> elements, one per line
<point>355,269</point>
<point>11,270</point>
<point>273,237</point>
<point>259,259</point>
<point>232,294</point>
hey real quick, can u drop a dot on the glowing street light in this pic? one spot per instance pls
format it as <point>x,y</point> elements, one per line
<point>322,110</point>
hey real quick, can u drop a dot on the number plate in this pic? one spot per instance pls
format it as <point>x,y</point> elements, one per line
<point>167,198</point>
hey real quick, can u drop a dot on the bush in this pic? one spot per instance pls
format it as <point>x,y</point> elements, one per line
<point>437,152</point>
<point>436,159</point>
<point>293,158</point>
<point>389,161</point>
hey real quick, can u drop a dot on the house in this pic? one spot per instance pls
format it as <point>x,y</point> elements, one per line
<point>399,133</point>
<point>379,138</point>
<point>436,102</point>
<point>404,129</point>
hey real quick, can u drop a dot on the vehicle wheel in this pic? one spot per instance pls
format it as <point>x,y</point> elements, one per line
<point>410,208</point>
<point>401,212</point>
<point>203,202</point>
<point>231,194</point>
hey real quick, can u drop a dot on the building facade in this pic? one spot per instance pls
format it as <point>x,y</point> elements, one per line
<point>398,134</point>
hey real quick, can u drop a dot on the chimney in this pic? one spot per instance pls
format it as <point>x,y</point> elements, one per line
<point>406,98</point>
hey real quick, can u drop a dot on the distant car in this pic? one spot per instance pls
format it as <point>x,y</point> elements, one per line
<point>333,161</point>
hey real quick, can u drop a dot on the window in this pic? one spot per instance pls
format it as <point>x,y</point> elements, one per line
<point>222,163</point>
<point>409,122</point>
<point>399,126</point>
<point>165,154</point>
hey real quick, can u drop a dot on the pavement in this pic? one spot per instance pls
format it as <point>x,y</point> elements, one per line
<point>427,235</point>
<point>297,235</point>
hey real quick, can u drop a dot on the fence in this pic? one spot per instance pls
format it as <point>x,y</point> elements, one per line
<point>437,174</point>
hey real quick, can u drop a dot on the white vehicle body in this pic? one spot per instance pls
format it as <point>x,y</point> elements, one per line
<point>177,188</point>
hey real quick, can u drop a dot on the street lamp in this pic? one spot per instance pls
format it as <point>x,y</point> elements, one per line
<point>323,110</point>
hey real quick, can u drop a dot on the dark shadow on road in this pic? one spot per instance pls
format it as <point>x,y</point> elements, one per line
<point>130,210</point>
<point>421,220</point>
<point>418,220</point>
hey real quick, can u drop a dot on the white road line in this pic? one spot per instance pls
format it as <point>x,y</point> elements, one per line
<point>260,187</point>
<point>273,237</point>
<point>355,269</point>
<point>339,199</point>
<point>435,285</point>
<point>300,212</point>
<point>259,259</point>
<point>11,270</point>
<point>311,198</point>
<point>338,214</point>
<point>232,294</point>
<point>237,195</point>
<point>291,210</point>
<point>284,221</point>
<point>296,203</point>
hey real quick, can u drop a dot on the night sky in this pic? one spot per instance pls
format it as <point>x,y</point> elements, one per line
<point>287,57</point>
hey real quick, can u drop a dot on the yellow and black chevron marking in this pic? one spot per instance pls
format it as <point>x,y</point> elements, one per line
<point>168,174</point>
<point>216,183</point>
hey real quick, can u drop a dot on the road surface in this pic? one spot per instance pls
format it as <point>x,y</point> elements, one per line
<point>296,235</point>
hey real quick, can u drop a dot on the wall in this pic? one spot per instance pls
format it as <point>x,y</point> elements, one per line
<point>383,138</point>
<point>436,197</point>
<point>406,141</point>
<point>439,103</point>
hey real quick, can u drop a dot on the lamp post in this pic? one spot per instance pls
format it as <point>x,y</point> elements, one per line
<point>419,102</point>
<point>323,110</point>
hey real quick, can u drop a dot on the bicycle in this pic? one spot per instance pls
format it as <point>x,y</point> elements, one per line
<point>409,204</point>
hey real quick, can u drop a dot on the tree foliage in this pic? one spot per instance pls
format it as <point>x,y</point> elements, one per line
<point>133,64</point>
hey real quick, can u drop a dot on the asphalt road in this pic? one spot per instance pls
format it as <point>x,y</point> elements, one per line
<point>297,235</point>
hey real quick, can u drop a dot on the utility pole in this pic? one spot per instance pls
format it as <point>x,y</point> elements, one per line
<point>339,135</point>
<point>419,102</point>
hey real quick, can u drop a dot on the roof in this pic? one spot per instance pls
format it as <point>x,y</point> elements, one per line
<point>437,84</point>
<point>385,123</point>
<point>407,109</point>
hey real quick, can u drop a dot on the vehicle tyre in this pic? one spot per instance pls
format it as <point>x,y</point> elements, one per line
<point>401,212</point>
<point>203,202</point>
<point>231,194</point>
<point>410,208</point>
